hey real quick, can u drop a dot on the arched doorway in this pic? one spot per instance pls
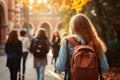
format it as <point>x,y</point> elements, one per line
<point>2,25</point>
<point>47,27</point>
<point>29,29</point>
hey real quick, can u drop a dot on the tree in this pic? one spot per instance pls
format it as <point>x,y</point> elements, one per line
<point>106,11</point>
<point>68,8</point>
<point>104,15</point>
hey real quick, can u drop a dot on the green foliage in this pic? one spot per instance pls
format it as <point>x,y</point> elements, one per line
<point>65,17</point>
<point>105,16</point>
<point>113,52</point>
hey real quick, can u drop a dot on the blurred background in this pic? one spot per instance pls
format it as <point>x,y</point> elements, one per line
<point>31,15</point>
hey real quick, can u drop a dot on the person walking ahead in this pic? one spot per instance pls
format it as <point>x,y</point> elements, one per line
<point>13,49</point>
<point>82,30</point>
<point>39,47</point>
<point>55,46</point>
<point>25,50</point>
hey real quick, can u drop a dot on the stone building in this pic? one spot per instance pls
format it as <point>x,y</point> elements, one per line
<point>11,14</point>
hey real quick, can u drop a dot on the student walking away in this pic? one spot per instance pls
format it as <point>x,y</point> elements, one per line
<point>55,45</point>
<point>25,50</point>
<point>13,49</point>
<point>39,47</point>
<point>81,55</point>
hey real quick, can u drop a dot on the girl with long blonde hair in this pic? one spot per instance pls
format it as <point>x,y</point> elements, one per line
<point>83,32</point>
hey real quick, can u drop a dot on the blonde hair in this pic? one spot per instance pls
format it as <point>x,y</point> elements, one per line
<point>81,25</point>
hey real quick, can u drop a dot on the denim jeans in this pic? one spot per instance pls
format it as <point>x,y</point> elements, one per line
<point>40,72</point>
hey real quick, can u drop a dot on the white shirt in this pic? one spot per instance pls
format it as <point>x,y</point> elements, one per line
<point>25,43</point>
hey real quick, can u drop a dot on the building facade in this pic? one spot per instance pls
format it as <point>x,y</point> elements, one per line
<point>11,14</point>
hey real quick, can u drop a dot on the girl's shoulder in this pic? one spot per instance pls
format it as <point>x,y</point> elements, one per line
<point>78,38</point>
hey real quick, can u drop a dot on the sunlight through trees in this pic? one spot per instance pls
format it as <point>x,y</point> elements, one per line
<point>70,4</point>
<point>37,6</point>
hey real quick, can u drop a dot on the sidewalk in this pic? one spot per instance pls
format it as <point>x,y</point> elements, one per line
<point>30,71</point>
<point>112,74</point>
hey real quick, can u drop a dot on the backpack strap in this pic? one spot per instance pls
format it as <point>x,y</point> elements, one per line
<point>101,77</point>
<point>67,70</point>
<point>73,41</point>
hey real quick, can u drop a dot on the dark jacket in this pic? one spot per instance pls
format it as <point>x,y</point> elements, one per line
<point>14,52</point>
<point>55,45</point>
<point>39,61</point>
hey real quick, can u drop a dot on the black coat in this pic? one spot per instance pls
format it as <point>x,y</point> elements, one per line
<point>14,53</point>
<point>55,45</point>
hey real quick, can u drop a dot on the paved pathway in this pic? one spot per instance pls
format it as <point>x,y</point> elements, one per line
<point>112,74</point>
<point>30,71</point>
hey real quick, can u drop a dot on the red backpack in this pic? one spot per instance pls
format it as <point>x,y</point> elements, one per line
<point>84,62</point>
